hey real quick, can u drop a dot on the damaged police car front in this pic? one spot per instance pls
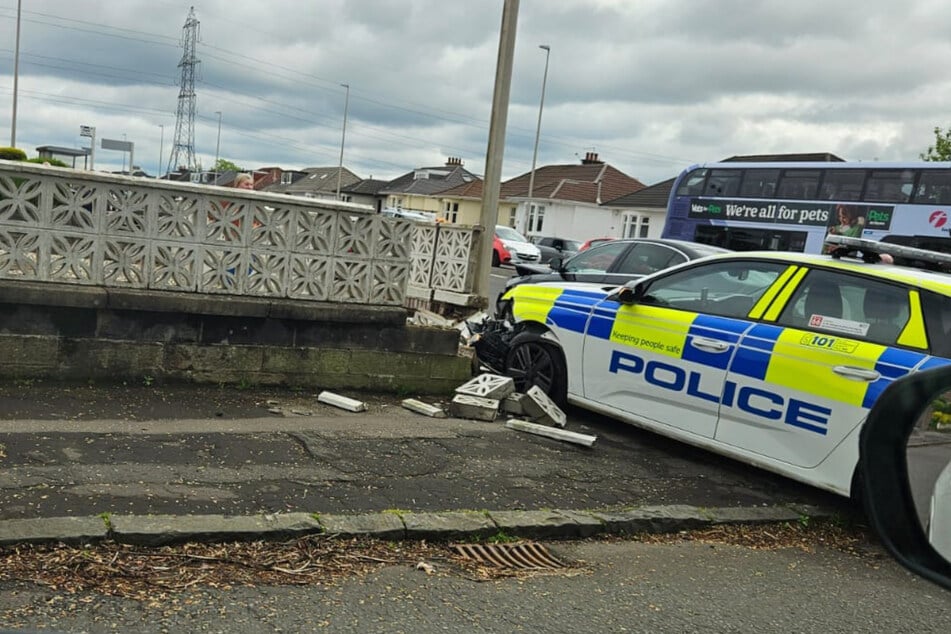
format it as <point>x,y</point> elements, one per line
<point>770,358</point>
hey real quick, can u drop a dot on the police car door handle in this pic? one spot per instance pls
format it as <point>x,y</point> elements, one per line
<point>711,345</point>
<point>856,374</point>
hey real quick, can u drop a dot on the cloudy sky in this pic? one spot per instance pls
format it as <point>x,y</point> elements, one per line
<point>652,86</point>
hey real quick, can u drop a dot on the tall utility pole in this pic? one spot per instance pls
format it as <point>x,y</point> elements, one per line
<point>16,79</point>
<point>217,145</point>
<point>183,145</point>
<point>538,132</point>
<point>493,158</point>
<point>343,136</point>
<point>161,151</point>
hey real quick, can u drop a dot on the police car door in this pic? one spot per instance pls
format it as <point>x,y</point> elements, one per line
<point>803,384</point>
<point>663,360</point>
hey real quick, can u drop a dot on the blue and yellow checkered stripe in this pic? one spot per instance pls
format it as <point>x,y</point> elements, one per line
<point>769,353</point>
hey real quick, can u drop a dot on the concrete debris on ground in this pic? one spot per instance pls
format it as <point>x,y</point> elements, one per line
<point>584,440</point>
<point>542,409</point>
<point>343,402</point>
<point>424,317</point>
<point>488,385</point>
<point>474,407</point>
<point>433,411</point>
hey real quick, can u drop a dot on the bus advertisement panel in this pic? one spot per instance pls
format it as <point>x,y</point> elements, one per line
<point>792,207</point>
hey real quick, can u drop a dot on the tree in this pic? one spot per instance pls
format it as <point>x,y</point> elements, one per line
<point>941,150</point>
<point>12,154</point>
<point>226,166</point>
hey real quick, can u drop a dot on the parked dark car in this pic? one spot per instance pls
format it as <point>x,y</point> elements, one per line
<point>554,247</point>
<point>613,262</point>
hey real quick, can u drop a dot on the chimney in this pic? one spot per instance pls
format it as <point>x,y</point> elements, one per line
<point>454,161</point>
<point>591,158</point>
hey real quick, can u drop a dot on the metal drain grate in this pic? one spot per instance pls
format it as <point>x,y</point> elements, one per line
<point>530,556</point>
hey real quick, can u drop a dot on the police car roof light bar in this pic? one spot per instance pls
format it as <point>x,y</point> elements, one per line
<point>872,251</point>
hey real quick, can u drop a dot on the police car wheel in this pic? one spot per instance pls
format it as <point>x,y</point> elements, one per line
<point>533,362</point>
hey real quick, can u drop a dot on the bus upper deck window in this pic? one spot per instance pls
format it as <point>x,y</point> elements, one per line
<point>759,183</point>
<point>692,183</point>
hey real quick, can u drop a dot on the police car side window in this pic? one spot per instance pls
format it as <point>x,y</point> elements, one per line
<point>848,305</point>
<point>937,313</point>
<point>727,289</point>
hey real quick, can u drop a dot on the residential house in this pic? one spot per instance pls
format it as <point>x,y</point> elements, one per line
<point>420,189</point>
<point>463,204</point>
<point>365,192</point>
<point>315,182</point>
<point>643,212</point>
<point>567,200</point>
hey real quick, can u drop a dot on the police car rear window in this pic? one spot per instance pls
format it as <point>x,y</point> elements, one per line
<point>848,305</point>
<point>937,313</point>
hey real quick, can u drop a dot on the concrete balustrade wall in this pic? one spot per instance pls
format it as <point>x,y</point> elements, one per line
<point>112,277</point>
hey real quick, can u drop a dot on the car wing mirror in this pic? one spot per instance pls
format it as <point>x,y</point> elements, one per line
<point>630,293</point>
<point>905,469</point>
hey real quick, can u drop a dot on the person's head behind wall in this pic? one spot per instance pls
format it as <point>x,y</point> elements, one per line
<point>244,181</point>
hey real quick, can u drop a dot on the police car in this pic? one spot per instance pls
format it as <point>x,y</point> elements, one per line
<point>770,358</point>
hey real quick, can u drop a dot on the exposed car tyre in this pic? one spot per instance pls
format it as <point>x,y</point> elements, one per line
<point>531,361</point>
<point>495,258</point>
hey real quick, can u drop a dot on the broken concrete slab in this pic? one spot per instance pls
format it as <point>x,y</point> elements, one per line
<point>474,407</point>
<point>551,432</point>
<point>488,386</point>
<point>512,404</point>
<point>541,409</point>
<point>349,404</point>
<point>433,411</point>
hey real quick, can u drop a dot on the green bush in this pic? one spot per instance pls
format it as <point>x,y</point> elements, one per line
<point>51,161</point>
<point>12,154</point>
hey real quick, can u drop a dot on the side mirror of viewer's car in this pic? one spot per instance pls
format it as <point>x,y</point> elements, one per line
<point>905,467</point>
<point>630,293</point>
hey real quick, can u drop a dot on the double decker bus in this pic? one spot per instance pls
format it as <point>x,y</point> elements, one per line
<point>794,206</point>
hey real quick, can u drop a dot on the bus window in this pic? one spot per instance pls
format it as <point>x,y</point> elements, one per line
<point>744,239</point>
<point>934,187</point>
<point>723,183</point>
<point>890,186</point>
<point>842,185</point>
<point>799,184</point>
<point>692,183</point>
<point>759,183</point>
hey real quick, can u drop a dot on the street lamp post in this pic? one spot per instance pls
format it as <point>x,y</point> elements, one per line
<point>16,78</point>
<point>343,136</point>
<point>161,151</point>
<point>538,130</point>
<point>217,145</point>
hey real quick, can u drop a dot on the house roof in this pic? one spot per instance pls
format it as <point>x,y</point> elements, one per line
<point>316,180</point>
<point>654,196</point>
<point>471,190</point>
<point>590,182</point>
<point>784,158</point>
<point>430,180</point>
<point>367,187</point>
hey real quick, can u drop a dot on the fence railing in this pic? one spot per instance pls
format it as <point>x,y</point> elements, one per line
<point>78,227</point>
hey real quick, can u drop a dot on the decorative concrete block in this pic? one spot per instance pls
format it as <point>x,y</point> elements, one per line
<point>542,409</point>
<point>474,407</point>
<point>488,386</point>
<point>512,404</point>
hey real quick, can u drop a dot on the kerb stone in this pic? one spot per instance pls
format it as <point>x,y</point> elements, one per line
<point>155,530</point>
<point>379,525</point>
<point>449,525</point>
<point>542,524</point>
<point>69,530</point>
